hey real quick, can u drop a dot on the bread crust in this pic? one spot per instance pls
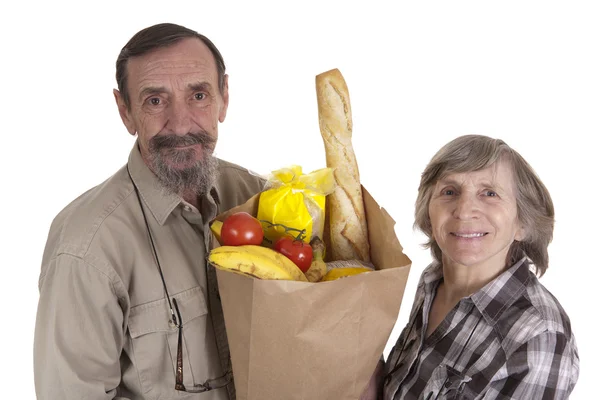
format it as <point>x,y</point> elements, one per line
<point>348,235</point>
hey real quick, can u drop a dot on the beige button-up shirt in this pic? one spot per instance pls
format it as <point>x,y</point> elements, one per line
<point>103,326</point>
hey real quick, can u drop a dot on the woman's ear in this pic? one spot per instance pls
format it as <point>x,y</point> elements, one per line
<point>521,233</point>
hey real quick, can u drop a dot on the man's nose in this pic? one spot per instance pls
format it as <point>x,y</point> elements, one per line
<point>180,118</point>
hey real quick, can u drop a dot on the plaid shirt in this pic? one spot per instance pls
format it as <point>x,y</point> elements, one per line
<point>509,340</point>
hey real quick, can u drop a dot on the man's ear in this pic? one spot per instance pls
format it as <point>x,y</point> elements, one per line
<point>124,113</point>
<point>225,96</point>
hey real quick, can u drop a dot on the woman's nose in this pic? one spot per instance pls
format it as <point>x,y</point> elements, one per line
<point>466,206</point>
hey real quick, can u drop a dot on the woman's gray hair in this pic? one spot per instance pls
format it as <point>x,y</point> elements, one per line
<point>535,209</point>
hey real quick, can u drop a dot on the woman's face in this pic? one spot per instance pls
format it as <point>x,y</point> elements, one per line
<point>474,217</point>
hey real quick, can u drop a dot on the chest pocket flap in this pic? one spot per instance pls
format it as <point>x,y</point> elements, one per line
<point>156,317</point>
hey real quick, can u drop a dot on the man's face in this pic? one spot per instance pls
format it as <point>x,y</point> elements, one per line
<point>175,108</point>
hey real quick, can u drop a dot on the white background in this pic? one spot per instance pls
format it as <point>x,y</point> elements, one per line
<point>419,74</point>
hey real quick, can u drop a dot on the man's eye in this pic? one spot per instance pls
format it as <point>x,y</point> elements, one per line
<point>155,101</point>
<point>199,96</point>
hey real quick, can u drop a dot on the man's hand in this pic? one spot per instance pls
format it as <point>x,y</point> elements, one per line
<point>373,389</point>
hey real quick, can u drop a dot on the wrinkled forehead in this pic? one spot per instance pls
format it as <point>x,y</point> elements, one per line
<point>472,159</point>
<point>187,60</point>
<point>497,174</point>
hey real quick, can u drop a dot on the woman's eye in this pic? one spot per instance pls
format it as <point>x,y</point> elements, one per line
<point>448,192</point>
<point>199,96</point>
<point>490,193</point>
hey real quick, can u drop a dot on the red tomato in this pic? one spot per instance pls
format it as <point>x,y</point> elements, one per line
<point>241,229</point>
<point>296,250</point>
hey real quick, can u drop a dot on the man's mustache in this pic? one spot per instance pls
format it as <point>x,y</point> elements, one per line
<point>168,141</point>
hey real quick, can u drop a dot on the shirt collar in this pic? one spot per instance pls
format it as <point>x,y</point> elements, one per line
<point>432,273</point>
<point>430,279</point>
<point>159,201</point>
<point>501,293</point>
<point>492,299</point>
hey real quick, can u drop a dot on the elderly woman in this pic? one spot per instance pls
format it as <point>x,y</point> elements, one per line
<point>482,326</point>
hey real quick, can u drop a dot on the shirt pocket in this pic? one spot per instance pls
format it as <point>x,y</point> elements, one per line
<point>449,384</point>
<point>154,341</point>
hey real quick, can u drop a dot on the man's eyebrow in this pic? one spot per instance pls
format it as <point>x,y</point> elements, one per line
<point>149,90</point>
<point>200,87</point>
<point>195,87</point>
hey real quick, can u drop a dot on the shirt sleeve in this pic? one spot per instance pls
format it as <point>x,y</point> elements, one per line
<point>546,367</point>
<point>78,334</point>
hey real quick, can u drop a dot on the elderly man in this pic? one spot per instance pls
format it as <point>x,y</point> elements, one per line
<point>128,307</point>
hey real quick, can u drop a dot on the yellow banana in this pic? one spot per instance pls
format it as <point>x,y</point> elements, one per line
<point>284,262</point>
<point>240,260</point>
<point>337,273</point>
<point>216,227</point>
<point>318,268</point>
<point>256,261</point>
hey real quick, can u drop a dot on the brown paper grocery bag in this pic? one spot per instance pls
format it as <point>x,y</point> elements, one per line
<point>314,341</point>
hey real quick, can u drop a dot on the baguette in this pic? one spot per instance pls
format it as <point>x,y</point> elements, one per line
<point>348,236</point>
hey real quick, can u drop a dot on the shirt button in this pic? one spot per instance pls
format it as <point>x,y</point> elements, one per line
<point>187,208</point>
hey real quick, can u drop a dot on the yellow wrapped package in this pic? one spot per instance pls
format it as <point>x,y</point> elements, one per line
<point>294,204</point>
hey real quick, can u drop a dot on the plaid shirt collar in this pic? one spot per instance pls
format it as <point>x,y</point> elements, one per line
<point>495,297</point>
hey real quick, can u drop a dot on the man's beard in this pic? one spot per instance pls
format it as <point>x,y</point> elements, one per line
<point>196,178</point>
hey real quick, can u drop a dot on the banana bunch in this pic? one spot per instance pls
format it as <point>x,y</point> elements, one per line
<point>255,261</point>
